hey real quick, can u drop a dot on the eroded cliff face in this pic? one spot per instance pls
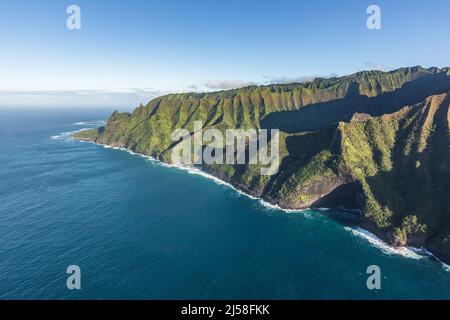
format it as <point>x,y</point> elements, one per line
<point>402,161</point>
<point>373,141</point>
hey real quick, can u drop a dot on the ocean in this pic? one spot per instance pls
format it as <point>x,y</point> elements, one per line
<point>139,229</point>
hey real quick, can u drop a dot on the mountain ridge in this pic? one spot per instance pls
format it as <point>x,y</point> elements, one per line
<point>368,142</point>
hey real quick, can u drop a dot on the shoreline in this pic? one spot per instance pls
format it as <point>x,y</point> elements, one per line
<point>365,234</point>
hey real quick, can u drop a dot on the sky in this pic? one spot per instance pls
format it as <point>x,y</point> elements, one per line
<point>128,52</point>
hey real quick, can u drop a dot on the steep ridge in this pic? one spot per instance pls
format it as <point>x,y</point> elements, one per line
<point>374,141</point>
<point>290,108</point>
<point>402,162</point>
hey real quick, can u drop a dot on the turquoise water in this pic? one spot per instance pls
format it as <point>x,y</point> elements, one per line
<point>141,230</point>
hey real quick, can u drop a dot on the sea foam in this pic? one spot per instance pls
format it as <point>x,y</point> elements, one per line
<point>90,123</point>
<point>383,246</point>
<point>408,252</point>
<point>198,172</point>
<point>67,136</point>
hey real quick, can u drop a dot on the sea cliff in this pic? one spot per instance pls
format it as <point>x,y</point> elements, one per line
<point>374,142</point>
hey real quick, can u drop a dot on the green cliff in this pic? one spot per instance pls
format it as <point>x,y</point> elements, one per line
<point>374,141</point>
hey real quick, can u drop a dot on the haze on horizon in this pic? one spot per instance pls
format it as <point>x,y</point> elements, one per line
<point>130,52</point>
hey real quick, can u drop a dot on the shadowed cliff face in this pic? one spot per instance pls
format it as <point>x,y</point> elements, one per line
<point>373,141</point>
<point>320,115</point>
<point>402,161</point>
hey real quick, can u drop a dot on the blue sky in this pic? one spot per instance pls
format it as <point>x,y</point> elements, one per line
<point>130,51</point>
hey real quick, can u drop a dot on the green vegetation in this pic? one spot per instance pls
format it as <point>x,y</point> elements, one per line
<point>410,228</point>
<point>87,135</point>
<point>374,141</point>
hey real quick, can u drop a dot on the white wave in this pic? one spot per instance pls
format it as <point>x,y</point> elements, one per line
<point>67,136</point>
<point>90,123</point>
<point>265,204</point>
<point>422,251</point>
<point>125,150</point>
<point>195,171</point>
<point>408,252</point>
<point>429,254</point>
<point>383,246</point>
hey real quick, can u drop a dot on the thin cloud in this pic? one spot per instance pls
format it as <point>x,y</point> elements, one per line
<point>227,84</point>
<point>298,79</point>
<point>236,84</point>
<point>128,97</point>
<point>285,80</point>
<point>373,65</point>
<point>128,91</point>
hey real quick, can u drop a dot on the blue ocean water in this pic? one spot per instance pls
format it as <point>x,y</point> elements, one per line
<point>140,230</point>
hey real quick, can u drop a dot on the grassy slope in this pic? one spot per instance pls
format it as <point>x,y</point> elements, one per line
<point>403,163</point>
<point>401,190</point>
<point>149,127</point>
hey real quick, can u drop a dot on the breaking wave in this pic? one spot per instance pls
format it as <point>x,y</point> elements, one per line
<point>91,123</point>
<point>195,171</point>
<point>67,136</point>
<point>373,240</point>
<point>383,246</point>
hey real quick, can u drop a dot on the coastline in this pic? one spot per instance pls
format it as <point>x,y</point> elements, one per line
<point>364,231</point>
